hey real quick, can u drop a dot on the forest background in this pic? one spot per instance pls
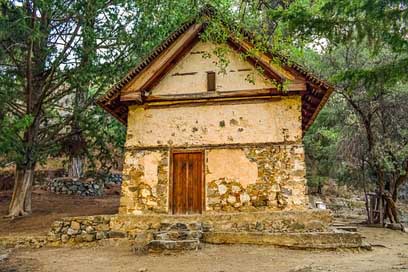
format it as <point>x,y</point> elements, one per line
<point>58,56</point>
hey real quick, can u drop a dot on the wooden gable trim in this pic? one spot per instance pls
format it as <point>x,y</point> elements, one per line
<point>310,109</point>
<point>266,62</point>
<point>155,69</point>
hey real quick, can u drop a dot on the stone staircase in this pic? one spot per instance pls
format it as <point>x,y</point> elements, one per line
<point>176,236</point>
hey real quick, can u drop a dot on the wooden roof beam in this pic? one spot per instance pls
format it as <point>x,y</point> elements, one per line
<point>154,69</point>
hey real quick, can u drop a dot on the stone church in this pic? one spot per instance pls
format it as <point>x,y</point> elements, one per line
<point>202,140</point>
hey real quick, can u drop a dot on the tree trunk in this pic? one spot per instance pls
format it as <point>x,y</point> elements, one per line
<point>75,168</point>
<point>20,204</point>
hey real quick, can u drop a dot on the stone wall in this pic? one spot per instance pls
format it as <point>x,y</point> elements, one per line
<point>72,186</point>
<point>155,233</point>
<point>247,178</point>
<point>82,229</point>
<point>93,228</point>
<point>279,181</point>
<point>145,182</point>
<point>271,222</point>
<point>254,159</point>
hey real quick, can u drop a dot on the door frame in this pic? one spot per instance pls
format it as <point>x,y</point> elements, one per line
<point>171,177</point>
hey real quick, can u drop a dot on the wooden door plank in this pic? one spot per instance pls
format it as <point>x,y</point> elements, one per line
<point>190,183</point>
<point>200,180</point>
<point>187,185</point>
<point>176,171</point>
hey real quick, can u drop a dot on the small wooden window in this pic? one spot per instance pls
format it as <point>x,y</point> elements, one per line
<point>211,81</point>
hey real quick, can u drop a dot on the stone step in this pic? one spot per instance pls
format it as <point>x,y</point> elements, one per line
<point>347,228</point>
<point>317,240</point>
<point>179,226</point>
<point>175,235</point>
<point>163,245</point>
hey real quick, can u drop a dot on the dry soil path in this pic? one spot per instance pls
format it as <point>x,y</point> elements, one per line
<point>390,254</point>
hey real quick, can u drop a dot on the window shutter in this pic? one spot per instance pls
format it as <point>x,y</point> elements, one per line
<point>211,81</point>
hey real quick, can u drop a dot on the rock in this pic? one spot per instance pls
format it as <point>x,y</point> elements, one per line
<point>52,237</point>
<point>395,226</point>
<point>64,238</point>
<point>244,197</point>
<point>145,193</point>
<point>259,226</point>
<point>142,269</point>
<point>222,189</point>
<point>158,246</point>
<point>75,225</point>
<point>275,188</point>
<point>89,229</point>
<point>100,235</point>
<point>79,238</point>
<point>151,203</point>
<point>235,189</point>
<point>161,236</point>
<point>231,199</point>
<point>116,234</point>
<point>102,227</point>
<point>4,255</point>
<point>71,231</point>
<point>88,237</point>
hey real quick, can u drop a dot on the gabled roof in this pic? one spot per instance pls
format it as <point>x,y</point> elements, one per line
<point>313,98</point>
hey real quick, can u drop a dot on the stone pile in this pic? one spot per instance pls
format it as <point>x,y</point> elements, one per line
<point>71,186</point>
<point>403,192</point>
<point>176,236</point>
<point>112,179</point>
<point>82,229</point>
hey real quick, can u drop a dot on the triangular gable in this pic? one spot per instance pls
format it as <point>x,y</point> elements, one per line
<point>146,76</point>
<point>189,75</point>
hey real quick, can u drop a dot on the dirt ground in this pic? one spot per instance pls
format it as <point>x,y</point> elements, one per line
<point>390,250</point>
<point>47,207</point>
<point>390,253</point>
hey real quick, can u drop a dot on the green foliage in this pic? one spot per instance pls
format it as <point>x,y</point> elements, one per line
<point>10,146</point>
<point>358,45</point>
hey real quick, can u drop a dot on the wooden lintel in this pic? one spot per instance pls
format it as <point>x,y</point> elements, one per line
<point>228,94</point>
<point>212,101</point>
<point>136,97</point>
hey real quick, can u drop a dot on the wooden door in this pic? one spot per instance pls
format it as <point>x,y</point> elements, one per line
<point>187,191</point>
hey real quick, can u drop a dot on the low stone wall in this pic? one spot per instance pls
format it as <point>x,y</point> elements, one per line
<point>271,222</point>
<point>113,179</point>
<point>82,229</point>
<point>71,186</point>
<point>92,228</point>
<point>155,233</point>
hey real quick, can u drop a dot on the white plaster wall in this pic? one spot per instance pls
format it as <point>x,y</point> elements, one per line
<point>232,164</point>
<point>194,62</point>
<point>262,122</point>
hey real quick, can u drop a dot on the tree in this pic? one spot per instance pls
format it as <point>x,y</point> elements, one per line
<point>56,58</point>
<point>40,41</point>
<point>373,139</point>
